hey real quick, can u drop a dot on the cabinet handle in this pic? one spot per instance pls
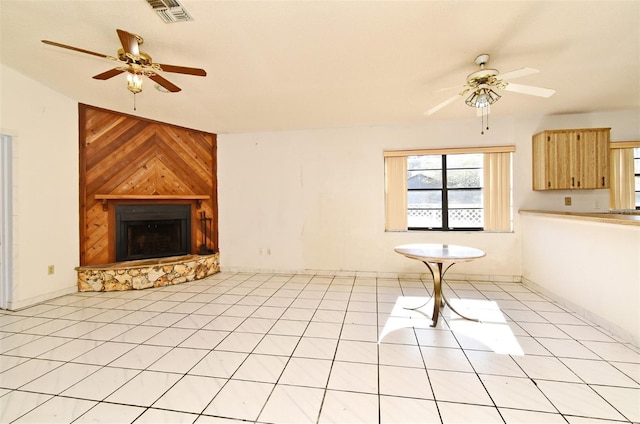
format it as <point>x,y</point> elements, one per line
<point>603,184</point>
<point>549,184</point>
<point>578,183</point>
<point>573,183</point>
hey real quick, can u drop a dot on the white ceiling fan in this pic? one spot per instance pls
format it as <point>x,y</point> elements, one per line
<point>481,84</point>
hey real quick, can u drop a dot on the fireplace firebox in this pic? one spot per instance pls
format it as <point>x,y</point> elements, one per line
<point>152,231</point>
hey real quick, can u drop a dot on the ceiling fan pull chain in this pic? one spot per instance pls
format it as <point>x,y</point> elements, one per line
<point>487,109</point>
<point>484,111</point>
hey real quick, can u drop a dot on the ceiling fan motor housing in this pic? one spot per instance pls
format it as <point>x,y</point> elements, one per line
<point>483,76</point>
<point>142,58</point>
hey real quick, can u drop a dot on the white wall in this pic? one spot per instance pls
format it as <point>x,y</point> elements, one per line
<point>289,201</point>
<point>315,199</point>
<point>44,126</point>
<point>591,267</point>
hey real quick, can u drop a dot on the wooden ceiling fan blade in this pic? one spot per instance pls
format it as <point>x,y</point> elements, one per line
<point>523,72</point>
<point>530,90</point>
<point>165,83</point>
<point>129,42</point>
<point>442,105</point>
<point>108,74</point>
<point>77,49</point>
<point>183,70</point>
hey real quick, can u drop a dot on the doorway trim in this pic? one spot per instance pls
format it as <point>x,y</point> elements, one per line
<point>6,221</point>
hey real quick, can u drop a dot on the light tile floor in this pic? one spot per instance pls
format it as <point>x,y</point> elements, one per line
<point>275,348</point>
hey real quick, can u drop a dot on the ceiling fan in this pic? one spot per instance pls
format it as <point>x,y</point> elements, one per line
<point>136,63</point>
<point>481,85</point>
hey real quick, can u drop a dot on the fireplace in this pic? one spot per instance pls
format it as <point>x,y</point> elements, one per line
<point>152,231</point>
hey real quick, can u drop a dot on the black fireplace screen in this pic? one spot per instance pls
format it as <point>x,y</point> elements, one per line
<point>152,231</point>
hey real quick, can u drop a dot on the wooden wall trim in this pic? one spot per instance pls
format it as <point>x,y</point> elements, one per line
<point>125,156</point>
<point>82,172</point>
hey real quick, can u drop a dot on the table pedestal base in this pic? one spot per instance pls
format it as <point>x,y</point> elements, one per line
<point>439,299</point>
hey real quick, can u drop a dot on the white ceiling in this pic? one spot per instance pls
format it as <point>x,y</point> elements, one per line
<point>276,65</point>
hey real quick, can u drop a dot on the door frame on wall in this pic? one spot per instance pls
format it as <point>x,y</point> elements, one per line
<point>6,227</point>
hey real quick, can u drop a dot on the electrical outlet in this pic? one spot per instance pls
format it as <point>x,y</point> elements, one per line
<point>50,269</point>
<point>596,204</point>
<point>567,201</point>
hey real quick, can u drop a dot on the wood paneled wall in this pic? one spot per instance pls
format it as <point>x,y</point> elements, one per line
<point>127,155</point>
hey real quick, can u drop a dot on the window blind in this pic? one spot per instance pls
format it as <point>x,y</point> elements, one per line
<point>622,188</point>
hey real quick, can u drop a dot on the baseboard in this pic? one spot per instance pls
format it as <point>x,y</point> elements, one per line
<point>620,333</point>
<point>25,303</point>
<point>377,274</point>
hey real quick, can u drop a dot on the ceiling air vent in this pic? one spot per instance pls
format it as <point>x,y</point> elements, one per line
<point>170,11</point>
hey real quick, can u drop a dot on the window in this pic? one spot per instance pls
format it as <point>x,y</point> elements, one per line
<point>636,168</point>
<point>448,189</point>
<point>445,192</point>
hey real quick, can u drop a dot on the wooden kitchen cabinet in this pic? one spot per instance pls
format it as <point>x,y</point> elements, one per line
<point>575,159</point>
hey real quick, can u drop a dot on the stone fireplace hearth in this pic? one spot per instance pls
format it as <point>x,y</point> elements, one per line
<point>153,243</point>
<point>142,274</point>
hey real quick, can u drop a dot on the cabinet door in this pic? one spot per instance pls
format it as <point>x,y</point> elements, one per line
<point>593,159</point>
<point>603,139</point>
<point>540,166</point>
<point>551,168</point>
<point>558,167</point>
<point>588,174</point>
<point>575,159</point>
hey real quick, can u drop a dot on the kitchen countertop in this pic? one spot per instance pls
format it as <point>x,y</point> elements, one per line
<point>606,218</point>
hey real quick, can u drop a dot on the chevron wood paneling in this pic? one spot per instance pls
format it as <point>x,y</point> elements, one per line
<point>126,155</point>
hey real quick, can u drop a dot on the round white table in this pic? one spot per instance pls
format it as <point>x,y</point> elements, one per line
<point>439,258</point>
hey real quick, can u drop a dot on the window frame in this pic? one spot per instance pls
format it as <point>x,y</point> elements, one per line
<point>445,190</point>
<point>636,175</point>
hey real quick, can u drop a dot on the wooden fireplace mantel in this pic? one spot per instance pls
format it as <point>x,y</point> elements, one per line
<point>106,197</point>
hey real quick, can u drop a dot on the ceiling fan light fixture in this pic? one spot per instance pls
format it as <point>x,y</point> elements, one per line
<point>482,97</point>
<point>134,83</point>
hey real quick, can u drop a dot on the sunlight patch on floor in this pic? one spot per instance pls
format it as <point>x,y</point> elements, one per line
<point>492,330</point>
